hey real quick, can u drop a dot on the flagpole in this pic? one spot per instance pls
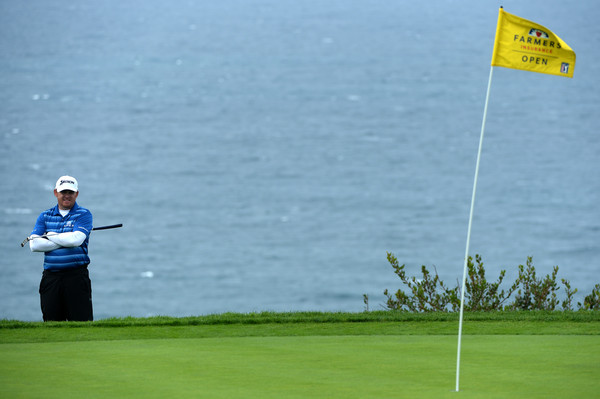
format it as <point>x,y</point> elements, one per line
<point>464,279</point>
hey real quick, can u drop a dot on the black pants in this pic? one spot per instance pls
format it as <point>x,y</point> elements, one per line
<point>66,295</point>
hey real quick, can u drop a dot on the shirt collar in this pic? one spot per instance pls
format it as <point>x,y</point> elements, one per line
<point>55,210</point>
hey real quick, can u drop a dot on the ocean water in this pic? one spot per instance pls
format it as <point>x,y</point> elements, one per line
<point>266,154</point>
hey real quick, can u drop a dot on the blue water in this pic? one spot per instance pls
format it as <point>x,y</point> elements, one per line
<point>265,154</point>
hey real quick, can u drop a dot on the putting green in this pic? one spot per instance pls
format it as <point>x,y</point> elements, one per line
<point>415,366</point>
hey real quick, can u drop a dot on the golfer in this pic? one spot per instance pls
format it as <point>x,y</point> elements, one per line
<point>62,233</point>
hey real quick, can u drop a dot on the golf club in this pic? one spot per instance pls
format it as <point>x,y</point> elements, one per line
<point>112,226</point>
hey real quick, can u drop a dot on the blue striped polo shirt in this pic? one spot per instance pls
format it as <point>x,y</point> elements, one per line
<point>78,219</point>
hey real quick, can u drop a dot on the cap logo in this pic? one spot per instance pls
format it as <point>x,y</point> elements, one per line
<point>66,181</point>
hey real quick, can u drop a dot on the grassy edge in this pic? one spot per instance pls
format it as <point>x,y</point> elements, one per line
<point>303,324</point>
<point>315,317</point>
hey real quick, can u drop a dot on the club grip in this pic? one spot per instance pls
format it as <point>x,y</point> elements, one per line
<point>112,226</point>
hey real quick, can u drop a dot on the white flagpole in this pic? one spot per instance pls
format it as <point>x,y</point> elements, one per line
<point>464,280</point>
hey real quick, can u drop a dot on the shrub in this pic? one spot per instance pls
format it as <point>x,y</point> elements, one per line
<point>430,294</point>
<point>480,295</point>
<point>534,293</point>
<point>567,304</point>
<point>592,301</point>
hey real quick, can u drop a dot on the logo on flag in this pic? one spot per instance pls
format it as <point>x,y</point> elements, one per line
<point>538,33</point>
<point>564,68</point>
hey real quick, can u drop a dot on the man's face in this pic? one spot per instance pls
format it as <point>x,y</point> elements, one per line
<point>66,198</point>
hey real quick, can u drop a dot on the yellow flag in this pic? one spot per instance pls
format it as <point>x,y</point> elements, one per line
<point>522,44</point>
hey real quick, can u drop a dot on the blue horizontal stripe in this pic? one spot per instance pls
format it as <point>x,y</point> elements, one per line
<point>78,219</point>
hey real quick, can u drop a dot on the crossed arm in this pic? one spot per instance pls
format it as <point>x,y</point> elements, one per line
<point>51,241</point>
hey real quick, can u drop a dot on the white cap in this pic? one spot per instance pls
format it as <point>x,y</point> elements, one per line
<point>66,183</point>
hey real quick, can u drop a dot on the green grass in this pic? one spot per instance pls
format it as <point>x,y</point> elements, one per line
<point>299,355</point>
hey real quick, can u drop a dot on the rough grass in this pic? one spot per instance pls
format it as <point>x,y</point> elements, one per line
<point>304,324</point>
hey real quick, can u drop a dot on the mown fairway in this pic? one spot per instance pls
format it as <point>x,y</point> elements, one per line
<point>277,360</point>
